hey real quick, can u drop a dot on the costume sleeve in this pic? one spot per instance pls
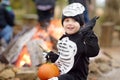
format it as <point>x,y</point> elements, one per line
<point>91,44</point>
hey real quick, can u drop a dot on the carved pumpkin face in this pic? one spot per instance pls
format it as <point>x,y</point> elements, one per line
<point>47,71</point>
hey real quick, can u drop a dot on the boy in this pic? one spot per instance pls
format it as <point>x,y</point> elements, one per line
<point>75,46</point>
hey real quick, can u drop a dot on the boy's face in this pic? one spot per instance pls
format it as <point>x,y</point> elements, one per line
<point>71,26</point>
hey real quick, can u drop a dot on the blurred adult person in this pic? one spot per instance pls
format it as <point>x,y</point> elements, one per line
<point>7,17</point>
<point>45,11</point>
<point>86,4</point>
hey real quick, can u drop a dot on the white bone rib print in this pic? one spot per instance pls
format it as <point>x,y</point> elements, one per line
<point>67,50</point>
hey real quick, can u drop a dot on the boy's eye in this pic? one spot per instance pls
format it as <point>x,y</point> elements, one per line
<point>66,20</point>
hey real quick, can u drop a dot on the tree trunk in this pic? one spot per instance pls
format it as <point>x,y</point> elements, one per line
<point>112,13</point>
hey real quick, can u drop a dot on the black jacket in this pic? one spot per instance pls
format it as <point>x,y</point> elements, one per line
<point>74,52</point>
<point>45,2</point>
<point>87,46</point>
<point>6,16</point>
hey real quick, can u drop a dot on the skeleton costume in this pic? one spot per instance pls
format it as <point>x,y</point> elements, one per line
<point>75,49</point>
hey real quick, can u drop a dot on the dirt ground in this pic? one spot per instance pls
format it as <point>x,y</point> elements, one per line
<point>114,74</point>
<point>114,52</point>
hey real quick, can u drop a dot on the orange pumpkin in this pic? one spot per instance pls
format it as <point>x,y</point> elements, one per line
<point>47,71</point>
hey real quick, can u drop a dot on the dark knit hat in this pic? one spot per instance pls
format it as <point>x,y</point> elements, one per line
<point>75,11</point>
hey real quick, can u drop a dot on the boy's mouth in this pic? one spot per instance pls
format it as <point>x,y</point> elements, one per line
<point>70,28</point>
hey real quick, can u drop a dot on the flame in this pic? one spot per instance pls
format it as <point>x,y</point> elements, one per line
<point>54,29</point>
<point>24,58</point>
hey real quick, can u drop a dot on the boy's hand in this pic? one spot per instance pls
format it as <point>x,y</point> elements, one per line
<point>51,56</point>
<point>89,26</point>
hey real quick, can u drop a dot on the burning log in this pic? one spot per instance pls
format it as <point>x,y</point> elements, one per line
<point>12,43</point>
<point>27,43</point>
<point>34,50</point>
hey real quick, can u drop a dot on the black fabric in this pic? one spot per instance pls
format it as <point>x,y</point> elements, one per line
<point>79,18</point>
<point>45,2</point>
<point>91,40</point>
<point>3,22</point>
<point>87,46</point>
<point>90,49</point>
<point>66,77</point>
<point>85,49</point>
<point>51,57</point>
<point>45,11</point>
<point>10,18</point>
<point>45,15</point>
<point>6,17</point>
<point>89,26</point>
